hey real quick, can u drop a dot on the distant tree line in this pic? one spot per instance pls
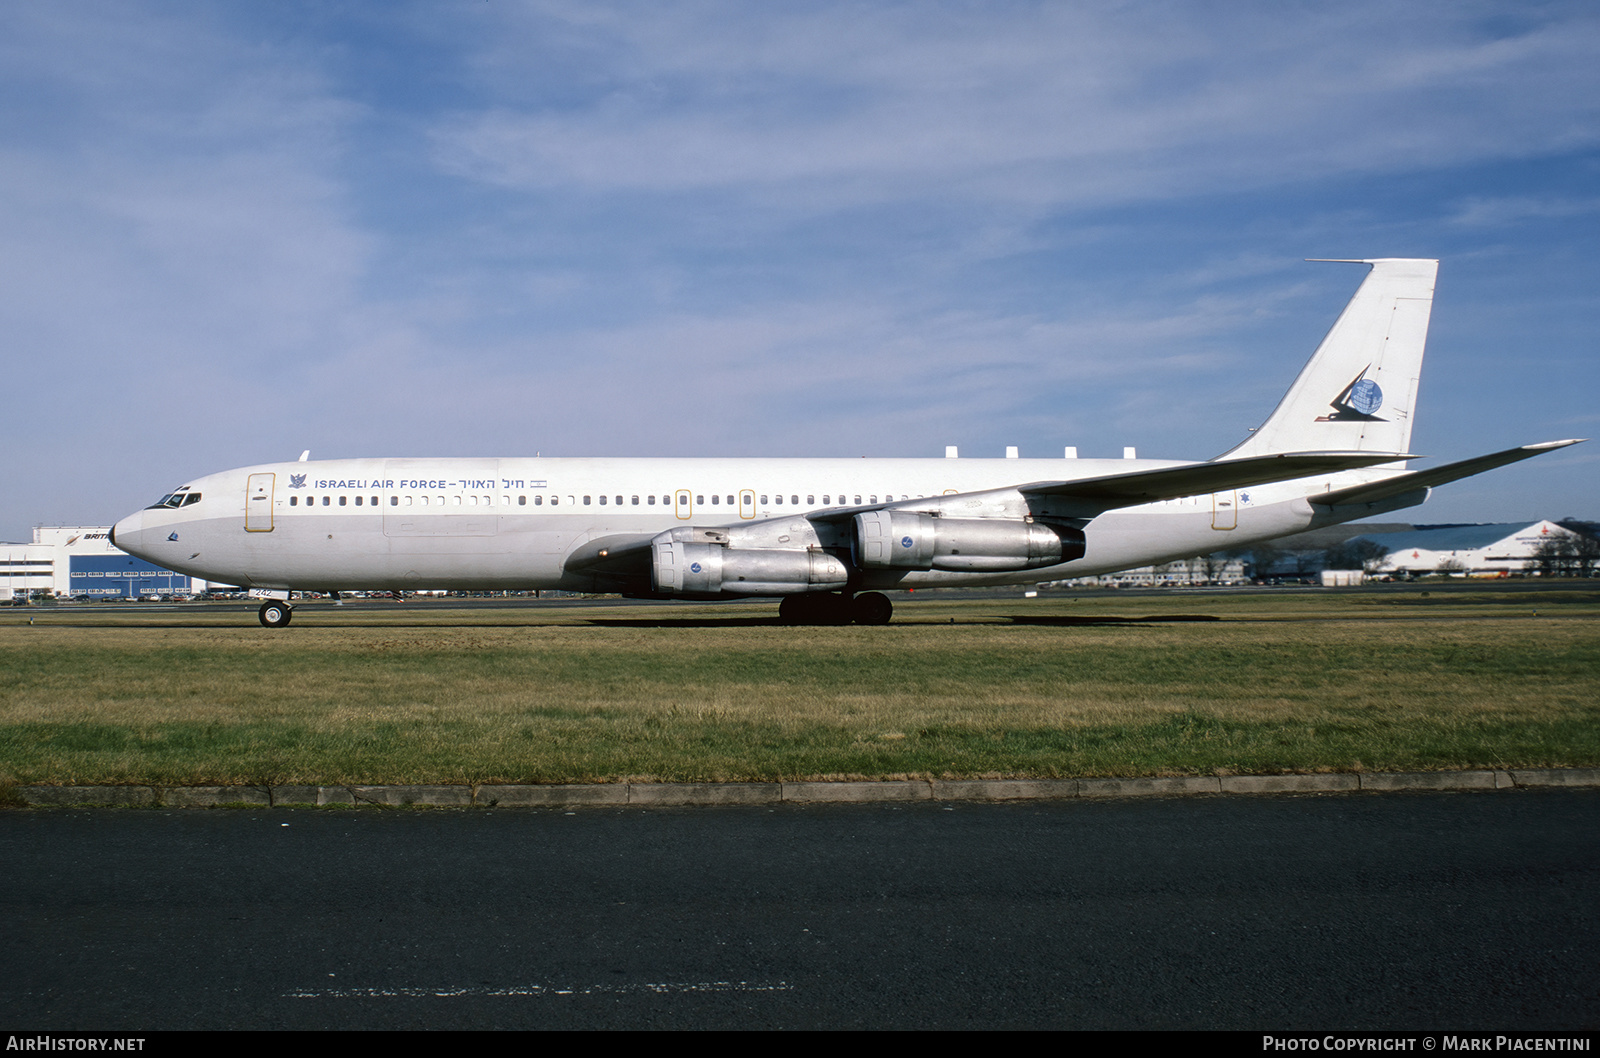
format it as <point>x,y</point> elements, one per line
<point>1562,555</point>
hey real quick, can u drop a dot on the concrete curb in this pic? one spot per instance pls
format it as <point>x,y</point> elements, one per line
<point>769,793</point>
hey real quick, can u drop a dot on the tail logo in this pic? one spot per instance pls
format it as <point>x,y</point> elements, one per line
<point>1360,400</point>
<point>1364,397</point>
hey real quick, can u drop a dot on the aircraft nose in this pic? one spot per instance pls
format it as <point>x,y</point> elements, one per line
<point>125,534</point>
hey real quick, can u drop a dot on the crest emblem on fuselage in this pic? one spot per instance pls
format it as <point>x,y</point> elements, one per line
<point>297,481</point>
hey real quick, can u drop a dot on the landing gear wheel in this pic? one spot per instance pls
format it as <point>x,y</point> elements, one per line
<point>871,608</point>
<point>819,608</point>
<point>275,614</point>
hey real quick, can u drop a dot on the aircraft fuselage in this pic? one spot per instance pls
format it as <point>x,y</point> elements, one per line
<point>481,524</point>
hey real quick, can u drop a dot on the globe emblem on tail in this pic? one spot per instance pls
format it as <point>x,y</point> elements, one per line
<point>1365,397</point>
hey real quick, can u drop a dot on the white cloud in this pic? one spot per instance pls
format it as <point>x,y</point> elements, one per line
<point>1485,212</point>
<point>720,227</point>
<point>1032,104</point>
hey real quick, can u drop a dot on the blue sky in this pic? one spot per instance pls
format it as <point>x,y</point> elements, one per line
<point>230,232</point>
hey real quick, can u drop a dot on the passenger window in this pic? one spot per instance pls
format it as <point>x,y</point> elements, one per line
<point>811,501</point>
<point>294,501</point>
<point>778,499</point>
<point>327,501</point>
<point>730,501</point>
<point>522,501</point>
<point>538,501</point>
<point>651,499</point>
<point>586,500</point>
<point>699,499</point>
<point>636,501</point>
<point>619,501</point>
<point>794,499</point>
<point>714,500</point>
<point>825,500</point>
<point>358,501</point>
<point>858,499</point>
<point>602,501</point>
<point>763,499</point>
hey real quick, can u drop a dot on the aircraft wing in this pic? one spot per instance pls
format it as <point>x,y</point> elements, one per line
<point>1087,497</point>
<point>1193,479</point>
<point>1411,481</point>
<point>619,555</point>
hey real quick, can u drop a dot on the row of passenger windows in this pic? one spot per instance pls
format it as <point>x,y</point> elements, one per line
<point>776,499</point>
<point>538,500</point>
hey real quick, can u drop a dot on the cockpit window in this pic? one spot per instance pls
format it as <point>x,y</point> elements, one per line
<point>176,498</point>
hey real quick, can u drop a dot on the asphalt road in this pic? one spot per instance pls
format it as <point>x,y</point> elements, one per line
<point>1449,912</point>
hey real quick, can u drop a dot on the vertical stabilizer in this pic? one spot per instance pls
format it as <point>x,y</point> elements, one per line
<point>1358,393</point>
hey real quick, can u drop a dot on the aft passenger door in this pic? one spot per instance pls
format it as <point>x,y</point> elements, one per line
<point>258,503</point>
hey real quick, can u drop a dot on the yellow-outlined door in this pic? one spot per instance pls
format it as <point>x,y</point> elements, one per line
<point>747,503</point>
<point>1225,509</point>
<point>683,505</point>
<point>258,503</point>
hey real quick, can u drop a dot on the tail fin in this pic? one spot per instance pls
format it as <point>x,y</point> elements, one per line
<point>1359,390</point>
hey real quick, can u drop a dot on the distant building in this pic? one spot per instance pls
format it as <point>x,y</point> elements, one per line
<point>1476,550</point>
<point>1183,573</point>
<point>68,560</point>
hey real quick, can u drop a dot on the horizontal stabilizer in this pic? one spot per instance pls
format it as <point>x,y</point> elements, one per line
<point>1408,482</point>
<point>1193,479</point>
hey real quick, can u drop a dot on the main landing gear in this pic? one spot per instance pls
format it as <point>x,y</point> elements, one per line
<point>275,614</point>
<point>833,608</point>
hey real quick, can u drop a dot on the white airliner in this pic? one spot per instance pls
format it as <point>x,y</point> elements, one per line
<point>823,533</point>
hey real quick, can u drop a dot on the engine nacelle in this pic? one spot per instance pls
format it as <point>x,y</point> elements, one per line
<point>682,568</point>
<point>912,540</point>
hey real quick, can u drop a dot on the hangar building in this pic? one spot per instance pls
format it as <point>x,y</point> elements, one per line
<point>1498,548</point>
<point>68,560</point>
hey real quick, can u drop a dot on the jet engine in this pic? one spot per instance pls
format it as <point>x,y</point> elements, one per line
<point>912,540</point>
<point>683,568</point>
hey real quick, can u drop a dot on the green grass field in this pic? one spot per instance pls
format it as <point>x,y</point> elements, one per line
<point>1387,679</point>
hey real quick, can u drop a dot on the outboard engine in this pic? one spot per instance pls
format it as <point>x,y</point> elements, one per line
<point>913,540</point>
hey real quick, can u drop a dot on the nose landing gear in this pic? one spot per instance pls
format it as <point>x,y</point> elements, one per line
<point>275,614</point>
